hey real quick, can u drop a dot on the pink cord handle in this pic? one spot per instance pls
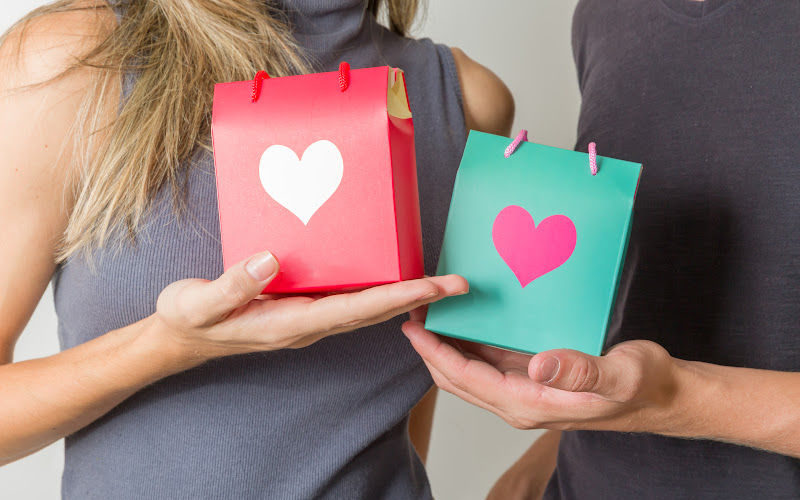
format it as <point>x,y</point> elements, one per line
<point>522,136</point>
<point>344,76</point>
<point>593,158</point>
<point>257,80</point>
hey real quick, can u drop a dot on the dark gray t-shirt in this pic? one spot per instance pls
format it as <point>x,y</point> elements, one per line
<point>707,97</point>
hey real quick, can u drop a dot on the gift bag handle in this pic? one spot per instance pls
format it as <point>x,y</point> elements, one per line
<point>523,136</point>
<point>344,76</point>
<point>519,139</point>
<point>257,80</point>
<point>344,80</point>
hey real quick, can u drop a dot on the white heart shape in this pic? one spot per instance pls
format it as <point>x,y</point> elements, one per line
<point>302,186</point>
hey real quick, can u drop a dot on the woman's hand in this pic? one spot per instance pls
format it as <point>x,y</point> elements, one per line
<point>208,319</point>
<point>630,388</point>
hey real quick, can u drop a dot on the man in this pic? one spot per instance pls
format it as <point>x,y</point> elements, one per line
<point>705,342</point>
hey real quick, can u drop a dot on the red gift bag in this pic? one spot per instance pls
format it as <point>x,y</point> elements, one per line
<point>320,170</point>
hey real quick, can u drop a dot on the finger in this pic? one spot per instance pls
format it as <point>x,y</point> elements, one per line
<point>443,383</point>
<point>354,310</point>
<point>478,378</point>
<point>419,314</point>
<point>501,358</point>
<point>511,395</point>
<point>574,371</point>
<point>214,300</point>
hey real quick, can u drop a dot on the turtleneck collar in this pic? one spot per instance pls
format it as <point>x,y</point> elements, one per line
<point>329,30</point>
<point>324,17</point>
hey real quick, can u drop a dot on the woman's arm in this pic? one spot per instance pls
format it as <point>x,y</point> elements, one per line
<point>488,104</point>
<point>420,423</point>
<point>528,477</point>
<point>196,320</point>
<point>44,400</point>
<point>636,387</point>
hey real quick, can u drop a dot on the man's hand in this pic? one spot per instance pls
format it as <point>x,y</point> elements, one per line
<point>626,389</point>
<point>636,387</point>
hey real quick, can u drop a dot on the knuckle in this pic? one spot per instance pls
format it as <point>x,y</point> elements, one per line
<point>519,422</point>
<point>354,315</point>
<point>284,343</point>
<point>233,289</point>
<point>585,375</point>
<point>349,323</point>
<point>186,313</point>
<point>443,384</point>
<point>458,385</point>
<point>427,289</point>
<point>566,426</point>
<point>515,424</point>
<point>634,386</point>
<point>174,305</point>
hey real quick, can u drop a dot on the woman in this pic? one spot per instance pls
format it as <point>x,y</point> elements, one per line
<point>108,191</point>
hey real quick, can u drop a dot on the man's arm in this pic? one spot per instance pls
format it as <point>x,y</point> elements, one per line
<point>755,408</point>
<point>636,387</point>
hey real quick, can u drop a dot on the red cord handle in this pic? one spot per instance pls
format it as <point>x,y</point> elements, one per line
<point>344,80</point>
<point>344,76</point>
<point>257,81</point>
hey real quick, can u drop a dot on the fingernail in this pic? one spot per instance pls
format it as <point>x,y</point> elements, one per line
<point>261,267</point>
<point>548,370</point>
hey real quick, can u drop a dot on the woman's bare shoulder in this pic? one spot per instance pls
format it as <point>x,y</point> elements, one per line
<point>488,103</point>
<point>38,110</point>
<point>37,50</point>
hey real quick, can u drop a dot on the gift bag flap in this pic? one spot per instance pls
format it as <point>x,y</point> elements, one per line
<point>396,95</point>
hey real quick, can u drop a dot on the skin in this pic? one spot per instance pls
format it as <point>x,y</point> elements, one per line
<point>420,423</point>
<point>635,387</point>
<point>195,320</point>
<point>488,107</point>
<point>527,478</point>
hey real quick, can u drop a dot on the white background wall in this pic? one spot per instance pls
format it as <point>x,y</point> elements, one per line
<point>527,43</point>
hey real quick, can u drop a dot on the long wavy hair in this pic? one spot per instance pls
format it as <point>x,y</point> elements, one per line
<point>178,49</point>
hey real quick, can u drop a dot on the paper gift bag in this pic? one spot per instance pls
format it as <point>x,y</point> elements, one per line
<point>542,243</point>
<point>320,170</point>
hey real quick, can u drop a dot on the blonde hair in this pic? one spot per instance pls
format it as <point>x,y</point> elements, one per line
<point>178,49</point>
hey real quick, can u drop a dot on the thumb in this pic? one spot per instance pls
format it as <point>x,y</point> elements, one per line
<point>573,371</point>
<point>236,287</point>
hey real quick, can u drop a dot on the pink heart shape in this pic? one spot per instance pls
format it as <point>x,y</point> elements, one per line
<point>532,251</point>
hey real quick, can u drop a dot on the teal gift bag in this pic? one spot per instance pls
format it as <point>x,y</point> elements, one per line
<point>541,240</point>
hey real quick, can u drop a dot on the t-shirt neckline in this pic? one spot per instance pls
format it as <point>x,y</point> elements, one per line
<point>697,11</point>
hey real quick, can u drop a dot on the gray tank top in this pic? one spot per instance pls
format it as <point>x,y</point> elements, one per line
<point>705,95</point>
<point>328,421</point>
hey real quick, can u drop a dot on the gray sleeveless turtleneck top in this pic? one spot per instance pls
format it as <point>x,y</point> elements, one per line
<point>326,421</point>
